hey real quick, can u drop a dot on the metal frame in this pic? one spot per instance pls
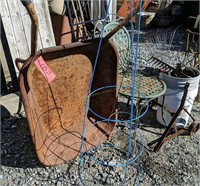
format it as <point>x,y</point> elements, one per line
<point>166,136</point>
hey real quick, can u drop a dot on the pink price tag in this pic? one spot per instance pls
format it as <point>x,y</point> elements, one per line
<point>44,69</point>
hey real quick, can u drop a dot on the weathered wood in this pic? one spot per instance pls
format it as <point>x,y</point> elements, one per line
<point>17,26</point>
<point>19,35</point>
<point>7,22</point>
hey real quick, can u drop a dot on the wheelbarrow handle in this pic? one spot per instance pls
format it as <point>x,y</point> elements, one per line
<point>26,2</point>
<point>34,27</point>
<point>19,63</point>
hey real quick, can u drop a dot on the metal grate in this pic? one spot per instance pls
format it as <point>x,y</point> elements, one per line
<point>148,86</point>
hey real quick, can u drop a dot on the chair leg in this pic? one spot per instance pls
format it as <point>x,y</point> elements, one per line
<point>165,137</point>
<point>188,41</point>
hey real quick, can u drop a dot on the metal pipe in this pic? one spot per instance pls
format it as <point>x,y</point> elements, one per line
<point>77,19</point>
<point>70,21</point>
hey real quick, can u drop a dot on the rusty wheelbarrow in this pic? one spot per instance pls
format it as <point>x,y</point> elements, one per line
<point>55,111</point>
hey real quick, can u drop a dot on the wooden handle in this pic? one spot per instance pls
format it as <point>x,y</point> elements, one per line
<point>34,27</point>
<point>26,2</point>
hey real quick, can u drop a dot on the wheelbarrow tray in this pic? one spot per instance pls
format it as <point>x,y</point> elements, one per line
<point>56,111</point>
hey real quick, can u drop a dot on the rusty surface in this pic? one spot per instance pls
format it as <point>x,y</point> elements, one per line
<point>55,111</point>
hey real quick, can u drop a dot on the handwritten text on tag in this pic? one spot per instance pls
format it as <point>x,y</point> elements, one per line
<point>44,69</point>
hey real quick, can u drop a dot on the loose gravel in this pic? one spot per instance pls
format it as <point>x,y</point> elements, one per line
<point>177,162</point>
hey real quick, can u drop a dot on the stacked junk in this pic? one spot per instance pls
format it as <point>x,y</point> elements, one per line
<point>71,104</point>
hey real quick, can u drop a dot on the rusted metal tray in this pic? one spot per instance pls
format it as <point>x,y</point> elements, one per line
<point>55,111</point>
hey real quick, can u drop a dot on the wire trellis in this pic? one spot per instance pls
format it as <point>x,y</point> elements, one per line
<point>118,153</point>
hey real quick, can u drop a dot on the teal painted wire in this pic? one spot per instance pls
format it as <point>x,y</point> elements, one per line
<point>132,98</point>
<point>117,164</point>
<point>87,153</point>
<point>138,172</point>
<point>134,68</point>
<point>91,81</point>
<point>94,69</point>
<point>116,120</point>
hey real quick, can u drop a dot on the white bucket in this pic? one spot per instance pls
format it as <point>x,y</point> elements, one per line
<point>173,96</point>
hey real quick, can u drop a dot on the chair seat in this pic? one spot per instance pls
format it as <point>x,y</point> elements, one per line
<point>149,86</point>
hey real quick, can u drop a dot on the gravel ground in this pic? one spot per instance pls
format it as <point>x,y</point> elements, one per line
<point>177,162</point>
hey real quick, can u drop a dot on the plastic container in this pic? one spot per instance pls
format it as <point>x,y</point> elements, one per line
<point>173,96</point>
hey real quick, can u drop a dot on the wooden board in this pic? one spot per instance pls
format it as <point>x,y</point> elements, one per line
<point>17,25</point>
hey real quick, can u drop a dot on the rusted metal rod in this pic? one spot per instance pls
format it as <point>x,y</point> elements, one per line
<point>172,122</point>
